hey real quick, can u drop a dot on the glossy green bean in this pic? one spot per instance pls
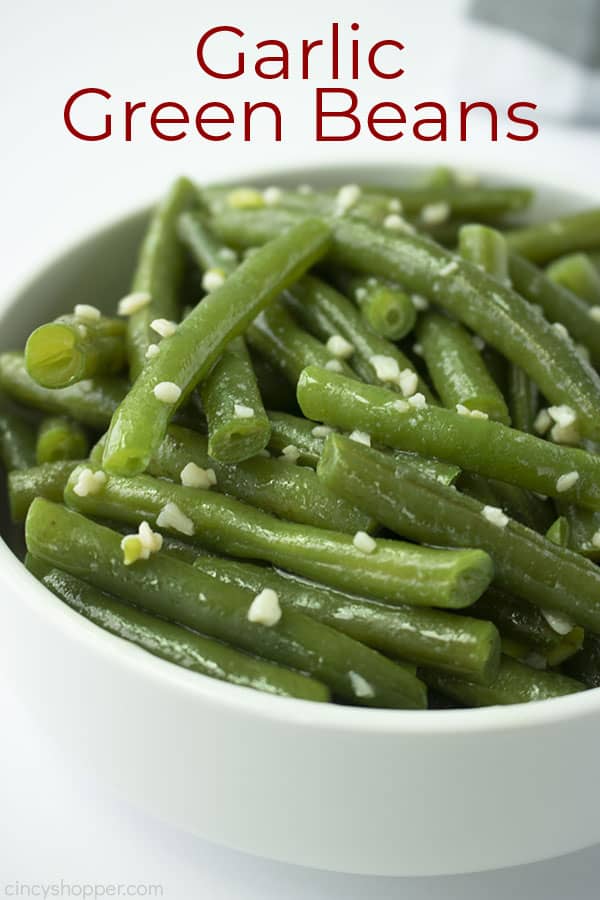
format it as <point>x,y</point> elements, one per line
<point>578,274</point>
<point>394,571</point>
<point>159,272</point>
<point>456,368</point>
<point>385,307</point>
<point>519,504</point>
<point>554,237</point>
<point>515,683</point>
<point>584,530</point>
<point>300,433</point>
<point>175,591</point>
<point>522,622</point>
<point>174,644</point>
<point>229,388</point>
<point>91,402</point>
<point>275,334</point>
<point>496,312</point>
<point>558,304</point>
<point>526,564</point>
<point>485,247</point>
<point>481,202</point>
<point>522,399</point>
<point>48,480</point>
<point>17,441</point>
<point>479,445</point>
<point>279,487</point>
<point>59,438</point>
<point>73,348</point>
<point>185,358</point>
<point>231,384</point>
<point>447,641</point>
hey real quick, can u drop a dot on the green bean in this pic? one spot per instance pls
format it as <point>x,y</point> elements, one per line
<point>173,590</point>
<point>578,274</point>
<point>523,623</point>
<point>558,304</point>
<point>325,312</point>
<point>518,503</point>
<point>515,683</point>
<point>159,272</point>
<point>300,433</point>
<point>481,203</point>
<point>231,388</point>
<point>91,402</point>
<point>558,532</point>
<point>486,248</point>
<point>448,641</point>
<point>555,237</point>
<point>208,252</point>
<point>585,665</point>
<point>286,490</point>
<point>176,645</point>
<point>522,399</point>
<point>17,441</point>
<point>231,384</point>
<point>385,307</point>
<point>503,318</point>
<point>420,509</point>
<point>295,431</point>
<point>75,347</point>
<point>396,572</point>
<point>59,438</point>
<point>584,530</point>
<point>457,370</point>
<point>287,346</point>
<point>48,480</point>
<point>479,445</point>
<point>185,358</point>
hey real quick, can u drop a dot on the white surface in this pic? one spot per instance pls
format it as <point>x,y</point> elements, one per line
<point>56,822</point>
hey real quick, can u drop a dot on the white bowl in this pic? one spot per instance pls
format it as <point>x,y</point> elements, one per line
<point>354,790</point>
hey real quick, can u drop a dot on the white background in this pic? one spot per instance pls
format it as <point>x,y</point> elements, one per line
<point>55,822</point>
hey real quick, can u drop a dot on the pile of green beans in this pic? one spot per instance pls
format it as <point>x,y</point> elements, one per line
<point>337,445</point>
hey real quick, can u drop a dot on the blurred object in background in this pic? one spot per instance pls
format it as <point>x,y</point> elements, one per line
<point>547,49</point>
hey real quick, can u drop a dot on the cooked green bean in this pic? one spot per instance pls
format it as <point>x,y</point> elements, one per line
<point>555,237</point>
<point>385,307</point>
<point>91,402</point>
<point>387,570</point>
<point>238,426</point>
<point>231,385</point>
<point>287,346</point>
<point>578,274</point>
<point>584,530</point>
<point>186,357</point>
<point>74,348</point>
<point>448,641</point>
<point>17,441</point>
<point>479,445</point>
<point>526,564</point>
<point>482,203</point>
<point>515,683</point>
<point>59,438</point>
<point>159,272</point>
<point>173,590</point>
<point>522,399</point>
<point>558,532</point>
<point>501,316</point>
<point>176,645</point>
<point>525,624</point>
<point>559,304</point>
<point>48,480</point>
<point>457,370</point>
<point>326,313</point>
<point>286,490</point>
<point>518,503</point>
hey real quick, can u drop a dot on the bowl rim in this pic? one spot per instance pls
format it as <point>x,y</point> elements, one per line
<point>137,662</point>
